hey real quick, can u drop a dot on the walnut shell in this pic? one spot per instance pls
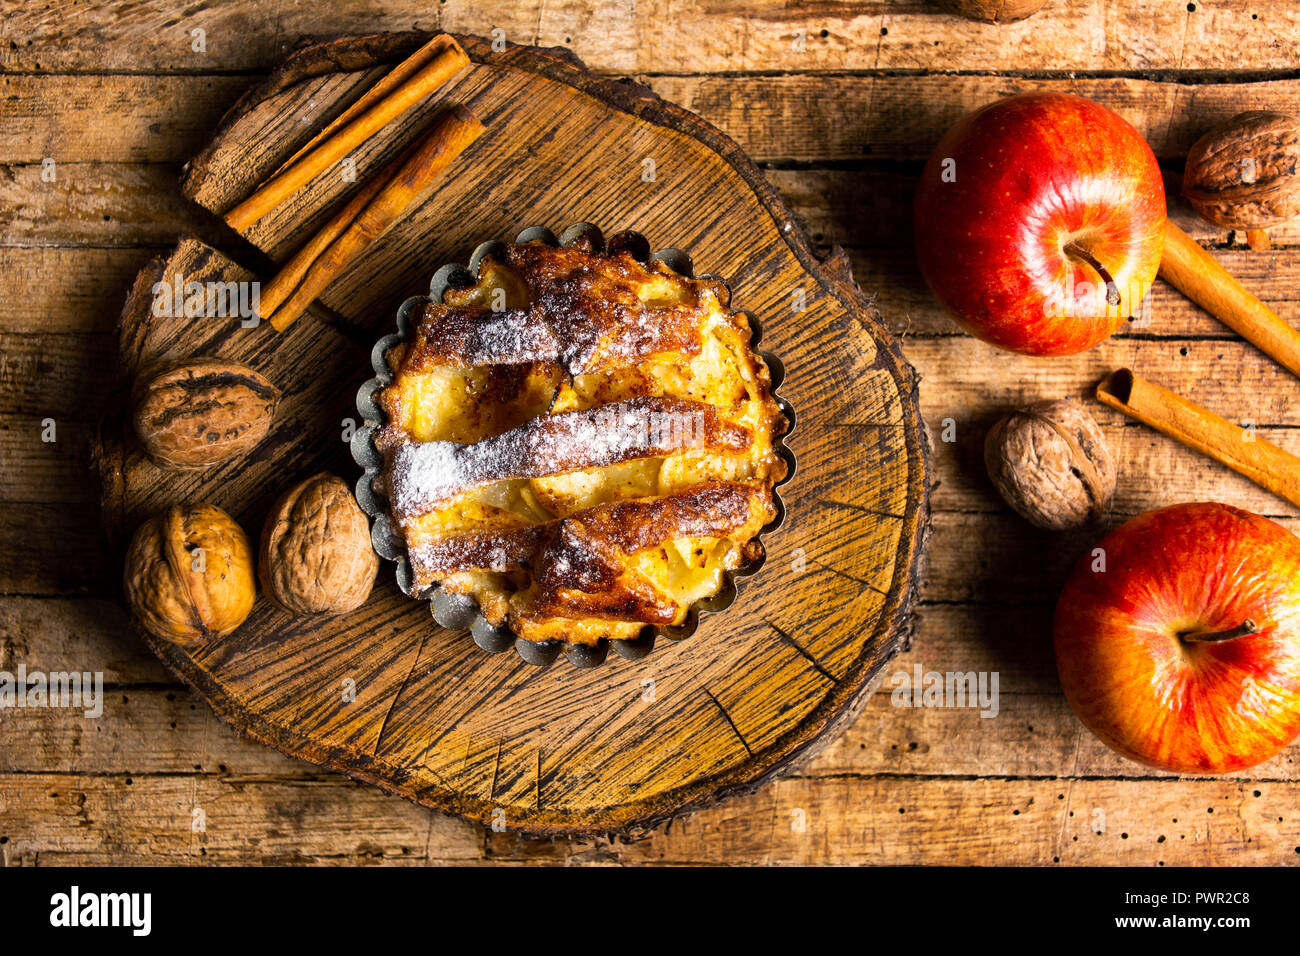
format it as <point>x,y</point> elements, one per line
<point>316,556</point>
<point>996,11</point>
<point>1051,464</point>
<point>189,574</point>
<point>1245,173</point>
<point>198,412</point>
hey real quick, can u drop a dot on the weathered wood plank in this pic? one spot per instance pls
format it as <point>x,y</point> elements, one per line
<point>54,818</point>
<point>99,204</point>
<point>910,820</point>
<point>674,36</point>
<point>1066,35</point>
<point>63,633</point>
<point>911,310</point>
<point>77,288</point>
<point>968,378</point>
<point>775,118</point>
<point>820,118</point>
<point>1029,734</point>
<point>120,820</point>
<point>31,364</point>
<point>66,288</point>
<point>46,459</point>
<point>872,206</point>
<point>1035,735</point>
<point>122,204</point>
<point>50,548</point>
<point>155,119</point>
<point>144,731</point>
<point>1153,470</point>
<point>1001,558</point>
<point>1029,731</point>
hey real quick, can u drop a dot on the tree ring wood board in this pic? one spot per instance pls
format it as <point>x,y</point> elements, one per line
<point>383,693</point>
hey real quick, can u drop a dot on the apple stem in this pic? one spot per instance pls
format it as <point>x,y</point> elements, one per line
<point>1207,637</point>
<point>1112,290</point>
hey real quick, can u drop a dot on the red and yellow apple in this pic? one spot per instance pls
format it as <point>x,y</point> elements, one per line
<point>1178,638</point>
<point>1039,222</point>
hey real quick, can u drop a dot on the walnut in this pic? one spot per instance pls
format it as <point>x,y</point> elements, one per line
<point>996,11</point>
<point>316,556</point>
<point>1245,173</point>
<point>189,574</point>
<point>198,412</point>
<point>1051,464</point>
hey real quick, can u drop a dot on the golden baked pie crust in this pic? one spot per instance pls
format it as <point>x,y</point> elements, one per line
<point>582,443</point>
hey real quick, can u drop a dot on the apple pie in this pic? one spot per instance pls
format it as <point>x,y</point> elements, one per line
<point>584,443</point>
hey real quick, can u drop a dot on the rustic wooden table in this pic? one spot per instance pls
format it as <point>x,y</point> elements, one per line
<point>840,102</point>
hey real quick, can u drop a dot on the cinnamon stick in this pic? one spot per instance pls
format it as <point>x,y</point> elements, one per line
<point>1196,273</point>
<point>447,139</point>
<point>431,69</point>
<point>292,272</point>
<point>1199,428</point>
<point>385,85</point>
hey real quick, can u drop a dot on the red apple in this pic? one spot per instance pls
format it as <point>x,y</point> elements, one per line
<point>1039,222</point>
<point>1182,649</point>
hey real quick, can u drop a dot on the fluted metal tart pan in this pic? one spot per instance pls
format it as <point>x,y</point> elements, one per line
<point>460,612</point>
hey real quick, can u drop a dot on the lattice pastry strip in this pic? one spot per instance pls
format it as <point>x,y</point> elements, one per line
<point>425,475</point>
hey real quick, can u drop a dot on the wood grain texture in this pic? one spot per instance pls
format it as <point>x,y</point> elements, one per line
<point>801,117</point>
<point>193,819</point>
<point>86,819</point>
<point>74,283</point>
<point>926,821</point>
<point>155,730</point>
<point>151,726</point>
<point>435,719</point>
<point>116,204</point>
<point>822,118</point>
<point>62,634</point>
<point>66,268</point>
<point>674,36</point>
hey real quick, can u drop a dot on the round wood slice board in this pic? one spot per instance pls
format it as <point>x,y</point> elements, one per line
<point>383,693</point>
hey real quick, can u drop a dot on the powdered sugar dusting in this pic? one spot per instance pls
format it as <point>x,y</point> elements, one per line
<point>509,338</point>
<point>558,332</point>
<point>427,474</point>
